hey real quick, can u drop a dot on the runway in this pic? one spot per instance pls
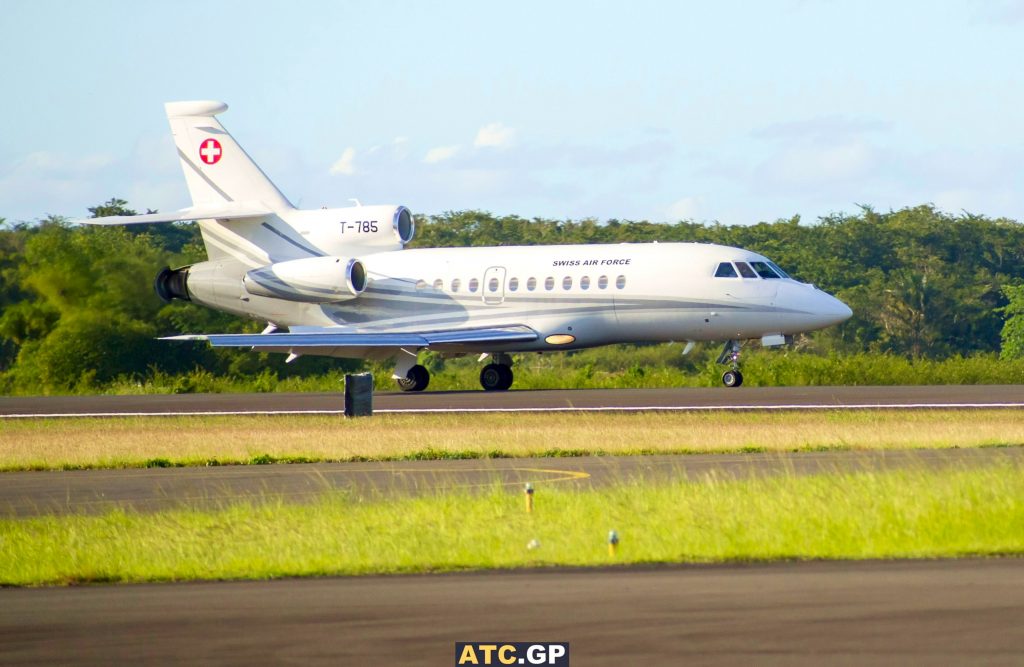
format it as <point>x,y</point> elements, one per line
<point>909,612</point>
<point>719,398</point>
<point>957,611</point>
<point>34,493</point>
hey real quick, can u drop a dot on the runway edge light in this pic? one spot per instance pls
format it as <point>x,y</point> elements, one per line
<point>613,542</point>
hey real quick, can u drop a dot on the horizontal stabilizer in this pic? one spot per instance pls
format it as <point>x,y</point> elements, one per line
<point>228,211</point>
<point>331,338</point>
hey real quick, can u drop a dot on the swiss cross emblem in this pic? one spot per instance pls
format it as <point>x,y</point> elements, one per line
<point>210,151</point>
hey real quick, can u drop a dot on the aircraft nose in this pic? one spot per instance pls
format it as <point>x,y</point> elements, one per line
<point>831,310</point>
<point>826,310</point>
<point>817,309</point>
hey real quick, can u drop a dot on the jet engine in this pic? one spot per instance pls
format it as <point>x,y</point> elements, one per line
<point>310,280</point>
<point>356,229</point>
<point>172,284</point>
<point>376,225</point>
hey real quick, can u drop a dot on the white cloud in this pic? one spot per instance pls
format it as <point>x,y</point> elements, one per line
<point>804,166</point>
<point>45,182</point>
<point>346,163</point>
<point>821,129</point>
<point>1002,12</point>
<point>46,161</point>
<point>494,135</point>
<point>687,208</point>
<point>440,154</point>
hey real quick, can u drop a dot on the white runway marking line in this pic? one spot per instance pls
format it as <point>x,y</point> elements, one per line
<point>648,408</point>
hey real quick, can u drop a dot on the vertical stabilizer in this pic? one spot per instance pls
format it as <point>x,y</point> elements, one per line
<point>216,168</point>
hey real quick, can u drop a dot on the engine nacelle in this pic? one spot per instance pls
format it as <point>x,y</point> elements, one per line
<point>310,280</point>
<point>364,228</point>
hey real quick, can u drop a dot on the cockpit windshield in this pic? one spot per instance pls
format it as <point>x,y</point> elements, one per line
<point>778,270</point>
<point>767,269</point>
<point>745,270</point>
<point>726,270</point>
<point>764,270</point>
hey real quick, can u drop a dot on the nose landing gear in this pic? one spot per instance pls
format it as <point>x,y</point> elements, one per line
<point>731,355</point>
<point>732,378</point>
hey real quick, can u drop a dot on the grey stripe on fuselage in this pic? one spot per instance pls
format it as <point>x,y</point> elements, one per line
<point>275,284</point>
<point>314,253</point>
<point>425,297</point>
<point>375,312</point>
<point>214,235</point>
<point>621,303</point>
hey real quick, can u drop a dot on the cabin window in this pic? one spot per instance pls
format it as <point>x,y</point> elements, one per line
<point>531,284</point>
<point>474,284</point>
<point>421,284</point>
<point>726,270</point>
<point>513,284</point>
<point>745,270</point>
<point>764,270</point>
<point>492,284</point>
<point>456,283</point>
<point>620,282</point>
<point>585,282</point>
<point>439,284</point>
<point>602,282</point>
<point>549,283</point>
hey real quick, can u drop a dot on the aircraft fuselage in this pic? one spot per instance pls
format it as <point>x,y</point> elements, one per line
<point>591,294</point>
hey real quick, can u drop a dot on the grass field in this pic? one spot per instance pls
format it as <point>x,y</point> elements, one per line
<point>614,366</point>
<point>152,441</point>
<point>898,514</point>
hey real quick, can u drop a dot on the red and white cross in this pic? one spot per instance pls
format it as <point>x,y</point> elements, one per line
<point>210,151</point>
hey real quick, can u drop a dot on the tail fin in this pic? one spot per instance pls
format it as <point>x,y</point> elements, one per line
<point>216,168</point>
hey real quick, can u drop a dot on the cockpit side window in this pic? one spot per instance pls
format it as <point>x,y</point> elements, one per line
<point>745,270</point>
<point>775,267</point>
<point>764,270</point>
<point>726,270</point>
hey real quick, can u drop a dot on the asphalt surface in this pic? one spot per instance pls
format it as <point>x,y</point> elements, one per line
<point>89,491</point>
<point>577,399</point>
<point>845,613</point>
<point>917,612</point>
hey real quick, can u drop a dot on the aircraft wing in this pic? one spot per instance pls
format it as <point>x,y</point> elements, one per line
<point>330,338</point>
<point>229,211</point>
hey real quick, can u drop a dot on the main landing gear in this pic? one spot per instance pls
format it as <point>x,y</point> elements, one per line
<point>410,375</point>
<point>416,379</point>
<point>731,355</point>
<point>497,376</point>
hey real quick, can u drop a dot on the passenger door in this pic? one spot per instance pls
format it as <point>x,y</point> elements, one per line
<point>494,285</point>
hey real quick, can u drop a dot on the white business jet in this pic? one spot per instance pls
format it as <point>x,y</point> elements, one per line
<point>339,283</point>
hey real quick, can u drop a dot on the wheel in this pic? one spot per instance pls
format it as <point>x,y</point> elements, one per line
<point>732,378</point>
<point>416,379</point>
<point>496,377</point>
<point>506,377</point>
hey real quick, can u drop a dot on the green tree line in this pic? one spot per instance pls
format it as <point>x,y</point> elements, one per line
<point>77,308</point>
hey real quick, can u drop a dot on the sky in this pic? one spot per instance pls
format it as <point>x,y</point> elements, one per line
<point>736,112</point>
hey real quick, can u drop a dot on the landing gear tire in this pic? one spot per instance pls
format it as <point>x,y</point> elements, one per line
<point>496,377</point>
<point>732,378</point>
<point>416,379</point>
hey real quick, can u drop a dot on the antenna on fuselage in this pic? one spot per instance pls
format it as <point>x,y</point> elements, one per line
<point>358,203</point>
